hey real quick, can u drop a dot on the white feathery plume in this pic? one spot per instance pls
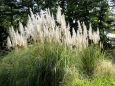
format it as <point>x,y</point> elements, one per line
<point>59,15</point>
<point>79,27</point>
<point>14,40</point>
<point>44,27</point>
<point>73,36</point>
<point>90,32</point>
<point>21,28</point>
<point>101,45</point>
<point>17,37</point>
<point>9,45</point>
<point>85,30</point>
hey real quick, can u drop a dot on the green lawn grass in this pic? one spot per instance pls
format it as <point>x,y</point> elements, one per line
<point>113,32</point>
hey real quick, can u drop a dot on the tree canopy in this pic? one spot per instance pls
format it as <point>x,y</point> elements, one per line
<point>96,12</point>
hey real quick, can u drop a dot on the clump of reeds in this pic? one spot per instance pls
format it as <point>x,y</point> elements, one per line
<point>44,27</point>
<point>104,68</point>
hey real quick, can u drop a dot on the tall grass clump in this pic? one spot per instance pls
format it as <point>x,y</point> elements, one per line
<point>104,68</point>
<point>89,57</point>
<point>44,53</point>
<point>41,65</point>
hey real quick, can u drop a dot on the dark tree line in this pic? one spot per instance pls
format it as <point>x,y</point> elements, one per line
<point>96,12</point>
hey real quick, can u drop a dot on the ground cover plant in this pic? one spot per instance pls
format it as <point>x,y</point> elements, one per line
<point>45,53</point>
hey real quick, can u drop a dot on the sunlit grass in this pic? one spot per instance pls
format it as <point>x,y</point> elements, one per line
<point>51,64</point>
<point>113,32</point>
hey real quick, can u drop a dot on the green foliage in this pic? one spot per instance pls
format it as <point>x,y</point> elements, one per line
<point>38,65</point>
<point>88,60</point>
<point>4,25</point>
<point>95,82</point>
<point>96,12</point>
<point>50,65</point>
<point>10,15</point>
<point>113,32</point>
